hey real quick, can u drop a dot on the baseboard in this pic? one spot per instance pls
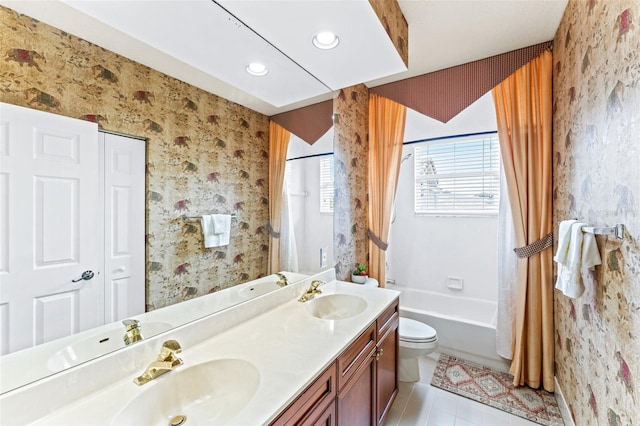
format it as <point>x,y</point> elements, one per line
<point>562,404</point>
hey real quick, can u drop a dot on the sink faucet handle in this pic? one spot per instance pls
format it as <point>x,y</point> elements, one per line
<point>315,284</point>
<point>132,333</point>
<point>167,361</point>
<point>283,279</point>
<point>131,324</point>
<point>170,348</point>
<point>311,291</point>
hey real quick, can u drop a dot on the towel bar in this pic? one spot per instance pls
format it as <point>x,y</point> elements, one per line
<point>617,231</point>
<point>233,216</point>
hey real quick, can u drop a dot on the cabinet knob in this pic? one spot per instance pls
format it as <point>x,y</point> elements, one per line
<point>379,354</point>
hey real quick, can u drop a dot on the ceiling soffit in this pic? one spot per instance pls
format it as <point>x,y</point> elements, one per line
<point>365,51</point>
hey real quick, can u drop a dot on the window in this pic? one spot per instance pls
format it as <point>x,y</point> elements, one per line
<point>458,176</point>
<point>326,184</point>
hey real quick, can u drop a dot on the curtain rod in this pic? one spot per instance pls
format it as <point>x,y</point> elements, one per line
<point>310,156</point>
<point>441,138</point>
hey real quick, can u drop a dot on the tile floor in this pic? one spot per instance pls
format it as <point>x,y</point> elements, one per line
<point>420,404</point>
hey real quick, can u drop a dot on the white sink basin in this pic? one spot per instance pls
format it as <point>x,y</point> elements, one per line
<point>336,306</point>
<point>211,393</point>
<point>99,344</point>
<point>250,291</point>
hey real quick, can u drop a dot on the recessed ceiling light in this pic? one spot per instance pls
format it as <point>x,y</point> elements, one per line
<point>256,68</point>
<point>325,40</point>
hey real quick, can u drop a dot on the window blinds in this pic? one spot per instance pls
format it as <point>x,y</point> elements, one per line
<point>458,177</point>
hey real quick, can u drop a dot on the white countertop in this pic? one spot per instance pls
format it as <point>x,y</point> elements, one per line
<point>287,345</point>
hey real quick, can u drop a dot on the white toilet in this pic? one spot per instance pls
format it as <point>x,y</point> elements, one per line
<point>416,339</point>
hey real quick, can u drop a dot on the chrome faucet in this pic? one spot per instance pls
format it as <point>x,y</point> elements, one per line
<point>283,279</point>
<point>311,291</point>
<point>132,333</point>
<point>167,361</point>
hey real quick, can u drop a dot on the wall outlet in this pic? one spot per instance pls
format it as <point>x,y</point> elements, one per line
<point>323,257</point>
<point>455,283</point>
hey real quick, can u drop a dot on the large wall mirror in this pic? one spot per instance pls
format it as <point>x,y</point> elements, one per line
<point>204,154</point>
<point>53,354</point>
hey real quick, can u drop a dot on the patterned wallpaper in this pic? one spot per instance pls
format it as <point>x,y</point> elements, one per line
<point>597,180</point>
<point>204,153</point>
<point>350,149</point>
<point>394,23</point>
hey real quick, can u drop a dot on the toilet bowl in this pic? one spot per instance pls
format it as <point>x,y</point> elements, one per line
<point>416,339</point>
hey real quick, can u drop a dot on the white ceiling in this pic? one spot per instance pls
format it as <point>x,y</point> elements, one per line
<point>200,43</point>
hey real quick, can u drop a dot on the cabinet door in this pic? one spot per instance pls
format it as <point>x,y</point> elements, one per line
<point>357,353</point>
<point>356,400</point>
<point>386,371</point>
<point>305,409</point>
<point>326,418</point>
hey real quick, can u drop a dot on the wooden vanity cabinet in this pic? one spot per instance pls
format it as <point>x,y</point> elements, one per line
<point>314,406</point>
<point>326,418</point>
<point>387,360</point>
<point>356,381</point>
<point>359,388</point>
<point>368,381</point>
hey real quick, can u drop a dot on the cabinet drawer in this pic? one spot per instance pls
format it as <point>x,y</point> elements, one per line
<point>356,354</point>
<point>316,397</point>
<point>388,318</point>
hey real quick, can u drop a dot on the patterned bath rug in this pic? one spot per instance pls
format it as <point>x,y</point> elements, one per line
<point>495,389</point>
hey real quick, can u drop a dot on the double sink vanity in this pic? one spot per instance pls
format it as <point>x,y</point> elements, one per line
<point>318,351</point>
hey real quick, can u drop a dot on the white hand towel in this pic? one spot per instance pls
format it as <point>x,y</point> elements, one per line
<point>590,252</point>
<point>208,232</point>
<point>216,230</point>
<point>564,236</point>
<point>569,279</point>
<point>582,252</point>
<point>221,223</point>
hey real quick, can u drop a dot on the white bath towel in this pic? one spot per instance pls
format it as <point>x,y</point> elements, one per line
<point>582,252</point>
<point>216,229</point>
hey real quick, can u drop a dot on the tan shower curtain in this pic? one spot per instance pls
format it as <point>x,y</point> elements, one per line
<point>386,132</point>
<point>523,105</point>
<point>278,145</point>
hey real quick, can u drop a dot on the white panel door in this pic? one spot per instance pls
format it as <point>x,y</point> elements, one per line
<point>48,227</point>
<point>124,210</point>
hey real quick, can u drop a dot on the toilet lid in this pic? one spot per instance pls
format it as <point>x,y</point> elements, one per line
<point>415,331</point>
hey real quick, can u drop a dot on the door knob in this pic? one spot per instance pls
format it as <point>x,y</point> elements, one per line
<point>86,275</point>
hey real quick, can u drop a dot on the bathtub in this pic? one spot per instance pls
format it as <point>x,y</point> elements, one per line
<point>466,327</point>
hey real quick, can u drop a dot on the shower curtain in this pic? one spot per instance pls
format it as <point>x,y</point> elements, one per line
<point>288,248</point>
<point>507,274</point>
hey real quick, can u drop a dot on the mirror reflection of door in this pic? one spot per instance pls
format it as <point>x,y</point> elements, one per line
<point>124,225</point>
<point>308,180</point>
<point>52,281</point>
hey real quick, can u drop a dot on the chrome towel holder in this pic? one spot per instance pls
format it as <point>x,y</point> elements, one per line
<point>616,231</point>
<point>233,217</point>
